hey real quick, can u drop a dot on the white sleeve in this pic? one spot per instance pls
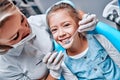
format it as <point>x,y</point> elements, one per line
<point>67,74</point>
<point>11,71</point>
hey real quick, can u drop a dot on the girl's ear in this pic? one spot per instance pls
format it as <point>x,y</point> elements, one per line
<point>81,13</point>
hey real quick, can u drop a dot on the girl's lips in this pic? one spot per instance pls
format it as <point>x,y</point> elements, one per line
<point>63,41</point>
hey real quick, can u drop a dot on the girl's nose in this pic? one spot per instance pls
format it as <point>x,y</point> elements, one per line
<point>61,33</point>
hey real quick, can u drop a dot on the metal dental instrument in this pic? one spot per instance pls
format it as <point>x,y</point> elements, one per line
<point>68,41</point>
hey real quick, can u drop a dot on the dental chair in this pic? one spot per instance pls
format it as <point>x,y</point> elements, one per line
<point>112,34</point>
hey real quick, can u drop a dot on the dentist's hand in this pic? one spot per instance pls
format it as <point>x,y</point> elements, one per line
<point>53,61</point>
<point>88,23</point>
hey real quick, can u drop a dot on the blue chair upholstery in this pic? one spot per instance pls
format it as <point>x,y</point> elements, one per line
<point>112,34</point>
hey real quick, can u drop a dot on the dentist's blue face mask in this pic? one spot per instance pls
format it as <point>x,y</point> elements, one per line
<point>18,47</point>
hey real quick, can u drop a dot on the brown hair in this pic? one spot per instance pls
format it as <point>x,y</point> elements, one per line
<point>7,8</point>
<point>71,10</point>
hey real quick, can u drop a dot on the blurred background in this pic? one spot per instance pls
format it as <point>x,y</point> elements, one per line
<point>33,7</point>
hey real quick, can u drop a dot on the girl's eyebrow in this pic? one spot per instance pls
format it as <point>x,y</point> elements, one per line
<point>53,27</point>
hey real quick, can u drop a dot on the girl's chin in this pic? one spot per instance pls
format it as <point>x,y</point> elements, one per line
<point>66,46</point>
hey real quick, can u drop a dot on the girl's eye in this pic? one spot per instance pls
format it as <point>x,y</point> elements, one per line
<point>66,25</point>
<point>53,30</point>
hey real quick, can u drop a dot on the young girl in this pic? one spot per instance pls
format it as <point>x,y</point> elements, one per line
<point>84,55</point>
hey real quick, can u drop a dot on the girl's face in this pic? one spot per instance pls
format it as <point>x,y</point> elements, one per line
<point>62,26</point>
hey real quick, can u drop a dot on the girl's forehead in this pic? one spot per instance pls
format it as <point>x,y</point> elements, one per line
<point>60,13</point>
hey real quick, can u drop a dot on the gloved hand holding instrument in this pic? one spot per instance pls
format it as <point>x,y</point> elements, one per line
<point>87,23</point>
<point>91,23</point>
<point>53,61</point>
